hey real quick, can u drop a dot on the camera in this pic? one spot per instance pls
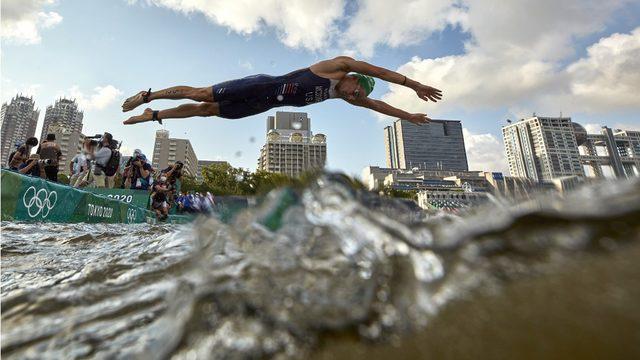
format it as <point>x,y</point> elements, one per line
<point>46,161</point>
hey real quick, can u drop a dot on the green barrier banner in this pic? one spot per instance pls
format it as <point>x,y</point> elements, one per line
<point>33,199</point>
<point>134,197</point>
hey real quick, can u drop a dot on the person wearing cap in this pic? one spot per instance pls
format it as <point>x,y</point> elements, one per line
<point>127,172</point>
<point>21,154</point>
<point>140,171</point>
<point>50,155</point>
<point>339,78</point>
<point>33,167</point>
<point>159,198</point>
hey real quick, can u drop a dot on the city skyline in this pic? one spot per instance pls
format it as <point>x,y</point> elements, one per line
<point>579,61</point>
<point>73,120</point>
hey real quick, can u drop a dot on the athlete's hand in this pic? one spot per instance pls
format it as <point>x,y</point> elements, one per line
<point>427,93</point>
<point>418,119</point>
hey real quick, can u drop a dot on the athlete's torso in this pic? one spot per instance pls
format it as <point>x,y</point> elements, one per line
<point>303,87</point>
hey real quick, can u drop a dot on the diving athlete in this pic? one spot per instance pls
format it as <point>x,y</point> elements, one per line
<point>342,77</point>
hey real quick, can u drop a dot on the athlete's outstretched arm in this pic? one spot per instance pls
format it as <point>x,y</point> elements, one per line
<point>424,92</point>
<point>384,108</point>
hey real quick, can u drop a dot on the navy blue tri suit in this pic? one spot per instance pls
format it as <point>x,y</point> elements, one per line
<point>258,93</point>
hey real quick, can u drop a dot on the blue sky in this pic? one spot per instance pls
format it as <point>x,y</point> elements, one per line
<point>489,67</point>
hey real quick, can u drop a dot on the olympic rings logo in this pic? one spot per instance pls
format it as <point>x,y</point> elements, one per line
<point>131,215</point>
<point>39,202</point>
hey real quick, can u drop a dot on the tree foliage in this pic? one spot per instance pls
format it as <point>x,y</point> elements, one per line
<point>223,179</point>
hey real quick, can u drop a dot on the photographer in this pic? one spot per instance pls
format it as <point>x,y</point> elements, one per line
<point>126,172</point>
<point>140,172</point>
<point>106,161</point>
<point>21,154</point>
<point>33,167</point>
<point>50,155</point>
<point>159,197</point>
<point>80,165</point>
<point>173,173</point>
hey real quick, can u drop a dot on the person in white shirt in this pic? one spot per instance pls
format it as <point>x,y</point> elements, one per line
<point>80,165</point>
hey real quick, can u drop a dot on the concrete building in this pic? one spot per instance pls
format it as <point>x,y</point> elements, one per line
<point>291,148</point>
<point>204,163</point>
<point>438,181</point>
<point>64,119</point>
<point>438,145</point>
<point>546,148</point>
<point>65,113</point>
<point>70,143</point>
<point>167,151</point>
<point>542,148</point>
<point>19,119</point>
<point>617,149</point>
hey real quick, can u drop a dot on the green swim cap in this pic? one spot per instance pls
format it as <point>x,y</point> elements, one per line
<point>366,81</point>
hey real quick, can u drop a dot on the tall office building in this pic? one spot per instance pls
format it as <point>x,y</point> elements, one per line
<point>65,113</point>
<point>19,119</point>
<point>542,148</point>
<point>204,163</point>
<point>291,147</point>
<point>168,150</point>
<point>437,145</point>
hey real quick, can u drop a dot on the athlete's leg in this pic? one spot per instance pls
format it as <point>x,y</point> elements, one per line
<point>204,94</point>
<point>180,112</point>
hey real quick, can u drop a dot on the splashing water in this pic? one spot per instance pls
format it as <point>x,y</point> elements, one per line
<point>298,273</point>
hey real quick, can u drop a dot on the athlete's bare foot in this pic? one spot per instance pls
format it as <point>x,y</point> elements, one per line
<point>147,115</point>
<point>134,101</point>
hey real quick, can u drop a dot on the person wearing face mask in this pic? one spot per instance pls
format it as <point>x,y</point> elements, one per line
<point>339,78</point>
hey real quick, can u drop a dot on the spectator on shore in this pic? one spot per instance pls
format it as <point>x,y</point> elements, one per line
<point>140,173</point>
<point>80,165</point>
<point>50,155</point>
<point>159,198</point>
<point>107,162</point>
<point>21,154</point>
<point>33,167</point>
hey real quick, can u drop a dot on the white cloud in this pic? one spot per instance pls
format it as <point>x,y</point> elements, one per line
<point>308,24</point>
<point>101,98</point>
<point>484,152</point>
<point>22,20</point>
<point>397,23</point>
<point>515,60</point>
<point>9,91</point>
<point>609,77</point>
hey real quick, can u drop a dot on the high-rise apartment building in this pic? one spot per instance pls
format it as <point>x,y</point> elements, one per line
<point>167,151</point>
<point>437,145</point>
<point>65,113</point>
<point>64,119</point>
<point>19,119</point>
<point>542,148</point>
<point>291,148</point>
